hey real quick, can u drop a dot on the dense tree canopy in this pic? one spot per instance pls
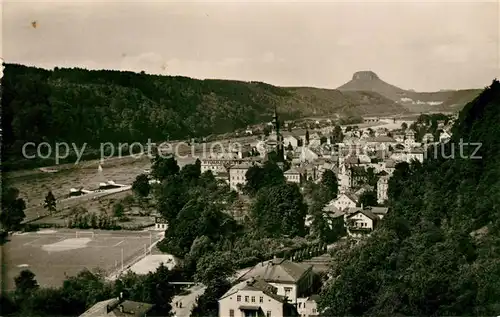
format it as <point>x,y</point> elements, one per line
<point>436,252</point>
<point>280,210</point>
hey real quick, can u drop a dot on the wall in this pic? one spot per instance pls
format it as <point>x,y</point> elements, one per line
<point>230,302</point>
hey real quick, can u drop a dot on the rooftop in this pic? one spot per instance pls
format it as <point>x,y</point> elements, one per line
<point>118,308</point>
<point>253,284</point>
<point>278,271</point>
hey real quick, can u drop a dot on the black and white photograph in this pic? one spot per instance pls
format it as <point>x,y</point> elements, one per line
<point>249,158</point>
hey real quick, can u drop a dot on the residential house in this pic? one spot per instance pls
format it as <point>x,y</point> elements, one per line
<point>292,140</point>
<point>444,137</point>
<point>254,297</point>
<point>380,132</point>
<point>398,136</point>
<point>161,223</point>
<point>219,163</point>
<point>292,280</point>
<point>360,222</point>
<point>343,201</point>
<point>307,154</point>
<point>382,186</point>
<point>367,220</point>
<point>308,306</point>
<point>330,213</point>
<point>237,175</point>
<point>118,307</point>
<point>294,175</point>
<point>389,166</point>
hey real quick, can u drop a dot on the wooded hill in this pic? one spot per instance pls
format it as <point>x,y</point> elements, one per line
<point>78,105</point>
<point>436,253</point>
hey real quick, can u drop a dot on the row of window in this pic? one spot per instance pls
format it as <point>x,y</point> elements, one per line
<point>231,313</point>
<point>261,299</point>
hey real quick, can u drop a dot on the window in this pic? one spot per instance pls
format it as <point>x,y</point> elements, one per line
<point>261,299</point>
<point>268,314</point>
<point>300,304</point>
<point>231,313</point>
<point>287,291</point>
<point>246,299</point>
<point>238,298</point>
<point>253,299</point>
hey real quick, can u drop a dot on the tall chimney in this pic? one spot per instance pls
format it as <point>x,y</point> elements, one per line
<point>362,206</point>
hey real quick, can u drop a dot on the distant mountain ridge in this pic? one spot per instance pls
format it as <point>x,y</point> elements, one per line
<point>443,100</point>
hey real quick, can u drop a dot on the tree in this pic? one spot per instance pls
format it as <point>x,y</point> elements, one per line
<point>12,213</point>
<point>259,177</point>
<point>190,173</point>
<point>404,126</point>
<point>307,136</point>
<point>368,198</point>
<point>118,210</point>
<point>214,266</point>
<point>25,283</point>
<point>50,203</point>
<point>141,186</point>
<point>164,167</point>
<point>330,182</point>
<point>279,210</point>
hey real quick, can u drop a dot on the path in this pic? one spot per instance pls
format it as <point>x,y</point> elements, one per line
<point>188,301</point>
<point>114,275</point>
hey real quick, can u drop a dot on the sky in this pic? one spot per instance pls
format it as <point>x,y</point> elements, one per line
<point>424,45</point>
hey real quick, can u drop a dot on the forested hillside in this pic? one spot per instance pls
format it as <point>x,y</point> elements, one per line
<point>77,105</point>
<point>437,251</point>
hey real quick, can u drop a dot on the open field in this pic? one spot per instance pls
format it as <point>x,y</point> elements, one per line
<point>52,254</point>
<point>34,186</point>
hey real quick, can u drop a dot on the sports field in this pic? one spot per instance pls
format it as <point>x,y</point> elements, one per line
<point>52,254</point>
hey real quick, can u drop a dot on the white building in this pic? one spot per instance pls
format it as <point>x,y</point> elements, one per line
<point>308,306</point>
<point>444,137</point>
<point>293,175</point>
<point>253,297</point>
<point>362,221</point>
<point>237,175</point>
<point>161,223</point>
<point>382,186</point>
<point>292,280</point>
<point>291,140</point>
<point>343,201</point>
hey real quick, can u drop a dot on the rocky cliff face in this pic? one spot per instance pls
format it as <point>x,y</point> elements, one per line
<point>365,75</point>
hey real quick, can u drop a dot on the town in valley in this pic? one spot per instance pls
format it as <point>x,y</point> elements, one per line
<point>134,186</point>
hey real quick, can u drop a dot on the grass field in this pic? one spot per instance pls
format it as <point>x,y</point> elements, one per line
<point>34,186</point>
<point>53,254</point>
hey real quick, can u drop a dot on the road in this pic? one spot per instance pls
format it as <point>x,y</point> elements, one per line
<point>188,301</point>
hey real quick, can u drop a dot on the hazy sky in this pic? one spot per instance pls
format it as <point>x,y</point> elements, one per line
<point>420,45</point>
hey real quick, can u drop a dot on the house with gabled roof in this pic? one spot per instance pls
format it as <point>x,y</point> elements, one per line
<point>291,279</point>
<point>361,221</point>
<point>344,201</point>
<point>294,175</point>
<point>118,307</point>
<point>254,297</point>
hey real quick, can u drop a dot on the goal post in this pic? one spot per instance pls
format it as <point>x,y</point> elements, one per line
<point>85,234</point>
